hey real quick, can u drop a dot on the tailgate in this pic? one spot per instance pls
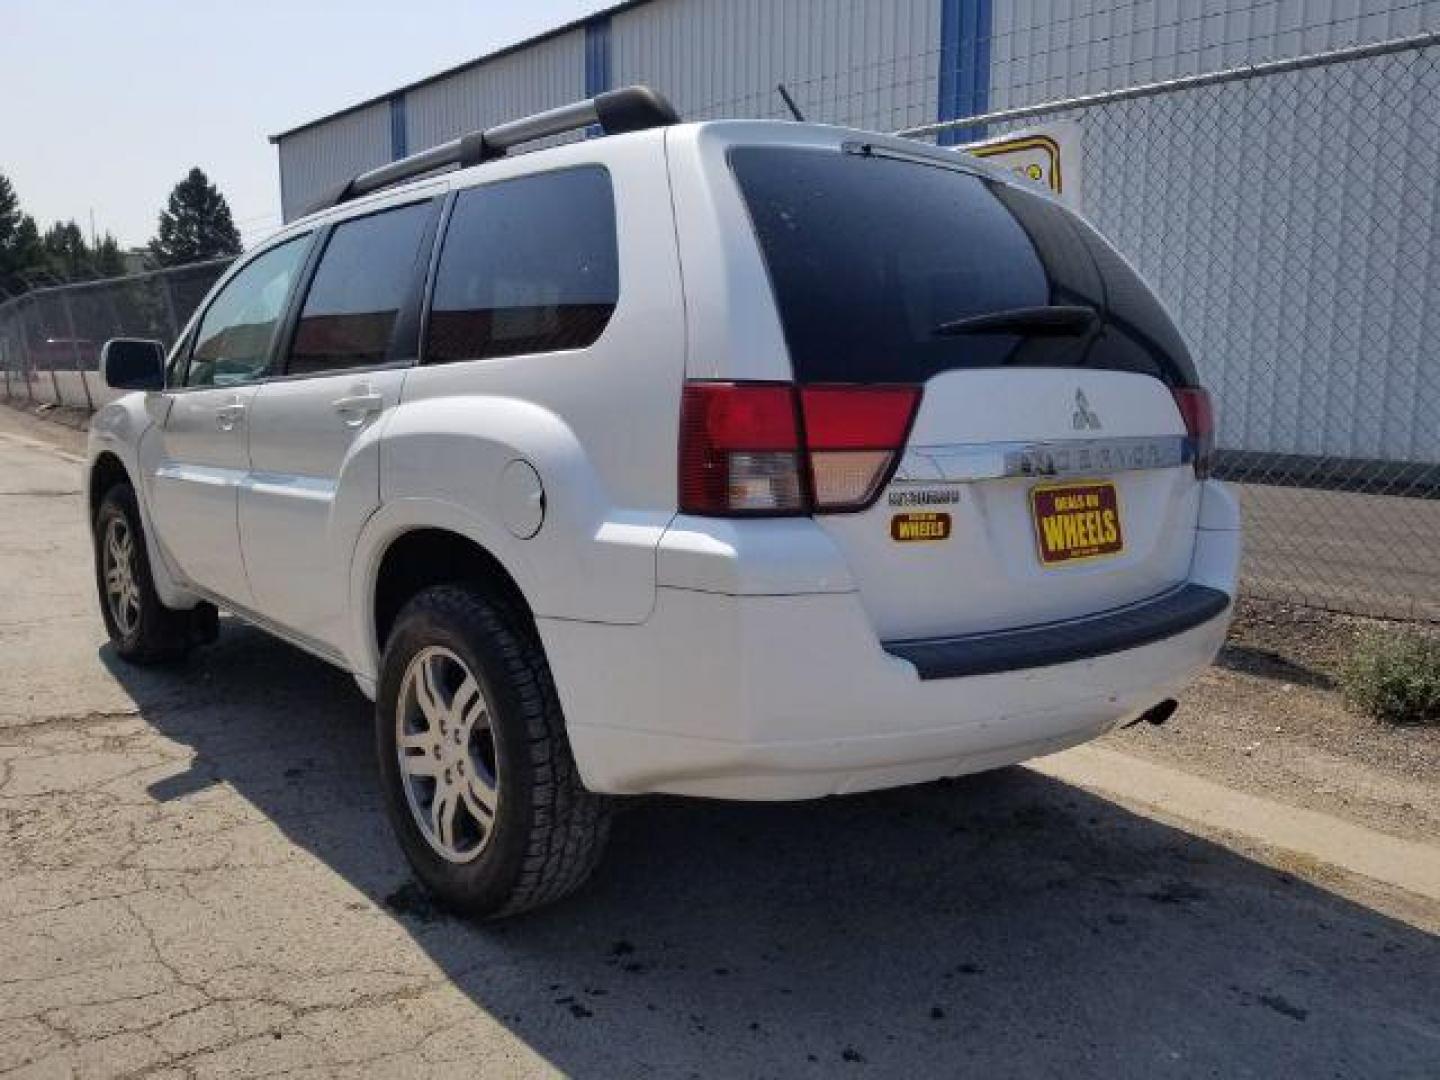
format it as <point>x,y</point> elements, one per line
<point>996,516</point>
<point>1048,474</point>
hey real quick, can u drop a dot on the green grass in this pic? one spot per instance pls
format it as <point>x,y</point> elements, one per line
<point>1395,677</point>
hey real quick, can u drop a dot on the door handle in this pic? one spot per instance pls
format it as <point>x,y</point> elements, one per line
<point>354,408</point>
<point>230,415</point>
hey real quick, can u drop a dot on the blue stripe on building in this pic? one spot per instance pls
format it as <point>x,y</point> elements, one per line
<point>597,56</point>
<point>964,66</point>
<point>597,61</point>
<point>399,128</point>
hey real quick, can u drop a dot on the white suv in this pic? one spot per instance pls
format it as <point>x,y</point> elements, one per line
<point>751,460</point>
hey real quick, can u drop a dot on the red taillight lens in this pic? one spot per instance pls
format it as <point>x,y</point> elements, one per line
<point>853,435</point>
<point>1198,412</point>
<point>741,448</point>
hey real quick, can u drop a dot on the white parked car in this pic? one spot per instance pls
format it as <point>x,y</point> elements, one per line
<point>751,460</point>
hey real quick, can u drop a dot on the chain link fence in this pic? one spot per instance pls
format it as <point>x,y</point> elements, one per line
<point>1289,214</point>
<point>50,338</point>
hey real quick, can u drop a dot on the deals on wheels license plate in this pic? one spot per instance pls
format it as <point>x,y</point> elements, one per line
<point>1076,521</point>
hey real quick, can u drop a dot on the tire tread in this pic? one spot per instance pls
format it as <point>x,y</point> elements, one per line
<point>569,825</point>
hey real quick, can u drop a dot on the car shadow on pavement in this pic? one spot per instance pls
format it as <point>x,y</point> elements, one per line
<point>1268,664</point>
<point>1005,924</point>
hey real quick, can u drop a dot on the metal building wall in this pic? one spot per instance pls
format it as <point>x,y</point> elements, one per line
<point>1279,217</point>
<point>1291,223</point>
<point>1044,50</point>
<point>869,63</point>
<point>1287,385</point>
<point>540,76</point>
<point>317,158</point>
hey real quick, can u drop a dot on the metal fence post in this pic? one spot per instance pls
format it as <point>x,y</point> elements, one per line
<point>29,358</point>
<point>75,348</point>
<point>50,360</point>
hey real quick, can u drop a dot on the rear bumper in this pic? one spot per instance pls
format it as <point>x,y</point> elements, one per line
<point>793,696</point>
<point>1161,617</point>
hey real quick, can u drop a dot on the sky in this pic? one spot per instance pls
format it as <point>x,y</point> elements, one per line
<point>106,104</point>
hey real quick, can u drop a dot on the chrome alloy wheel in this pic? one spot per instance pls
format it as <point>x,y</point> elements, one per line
<point>122,590</point>
<point>447,754</point>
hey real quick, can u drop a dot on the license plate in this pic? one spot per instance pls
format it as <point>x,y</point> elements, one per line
<point>1076,521</point>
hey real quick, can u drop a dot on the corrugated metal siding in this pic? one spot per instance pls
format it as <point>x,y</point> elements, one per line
<point>1292,225</point>
<point>316,159</point>
<point>1309,195</point>
<point>1044,50</point>
<point>870,63</point>
<point>964,66</point>
<point>542,76</point>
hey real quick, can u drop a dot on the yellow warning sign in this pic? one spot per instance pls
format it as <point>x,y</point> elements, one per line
<point>1048,156</point>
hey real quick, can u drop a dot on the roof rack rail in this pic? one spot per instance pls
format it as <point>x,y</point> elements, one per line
<point>633,108</point>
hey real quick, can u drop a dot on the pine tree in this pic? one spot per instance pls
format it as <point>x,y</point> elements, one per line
<point>106,258</point>
<point>20,247</point>
<point>196,224</point>
<point>67,256</point>
<point>10,214</point>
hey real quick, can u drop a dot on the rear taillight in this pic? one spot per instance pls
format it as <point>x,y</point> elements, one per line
<point>1198,412</point>
<point>740,449</point>
<point>853,435</point>
<point>773,448</point>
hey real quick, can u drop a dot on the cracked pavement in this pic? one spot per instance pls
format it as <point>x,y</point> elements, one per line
<point>196,879</point>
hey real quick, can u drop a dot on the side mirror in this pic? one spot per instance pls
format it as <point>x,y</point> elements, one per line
<point>133,364</point>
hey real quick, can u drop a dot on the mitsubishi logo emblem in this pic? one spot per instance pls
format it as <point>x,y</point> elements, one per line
<point>1085,419</point>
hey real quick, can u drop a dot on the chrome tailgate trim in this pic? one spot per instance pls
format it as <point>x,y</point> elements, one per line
<point>969,462</point>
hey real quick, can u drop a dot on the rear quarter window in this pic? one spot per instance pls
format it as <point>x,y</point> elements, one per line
<point>869,254</point>
<point>528,265</point>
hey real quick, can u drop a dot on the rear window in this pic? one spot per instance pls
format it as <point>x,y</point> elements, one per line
<point>869,255</point>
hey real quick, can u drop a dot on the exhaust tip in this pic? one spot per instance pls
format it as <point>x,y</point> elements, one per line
<point>1157,714</point>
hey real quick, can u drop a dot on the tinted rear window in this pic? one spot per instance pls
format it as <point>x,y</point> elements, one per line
<point>868,255</point>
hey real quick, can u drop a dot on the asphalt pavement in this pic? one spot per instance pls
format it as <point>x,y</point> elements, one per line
<point>196,879</point>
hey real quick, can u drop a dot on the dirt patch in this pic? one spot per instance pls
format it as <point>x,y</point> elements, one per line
<point>1269,718</point>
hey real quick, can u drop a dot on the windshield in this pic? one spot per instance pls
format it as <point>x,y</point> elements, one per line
<point>881,266</point>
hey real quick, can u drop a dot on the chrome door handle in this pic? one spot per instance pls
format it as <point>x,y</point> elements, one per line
<point>228,417</point>
<point>354,408</point>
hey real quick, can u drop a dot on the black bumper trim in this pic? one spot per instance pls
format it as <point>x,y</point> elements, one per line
<point>1124,628</point>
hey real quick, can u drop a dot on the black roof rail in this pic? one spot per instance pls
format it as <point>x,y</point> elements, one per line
<point>633,108</point>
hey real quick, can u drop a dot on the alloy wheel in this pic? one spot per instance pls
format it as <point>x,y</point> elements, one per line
<point>122,590</point>
<point>447,753</point>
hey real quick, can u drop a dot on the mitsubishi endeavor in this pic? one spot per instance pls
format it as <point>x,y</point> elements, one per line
<point>742,459</point>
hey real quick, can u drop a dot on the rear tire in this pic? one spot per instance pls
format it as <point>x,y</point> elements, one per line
<point>479,781</point>
<point>141,628</point>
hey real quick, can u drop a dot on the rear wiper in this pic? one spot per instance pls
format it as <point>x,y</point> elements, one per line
<point>1058,321</point>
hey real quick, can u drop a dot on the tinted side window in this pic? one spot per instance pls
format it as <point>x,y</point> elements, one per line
<point>366,274</point>
<point>528,265</point>
<point>232,344</point>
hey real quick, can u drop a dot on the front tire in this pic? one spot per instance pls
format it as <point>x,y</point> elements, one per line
<point>141,628</point>
<point>478,777</point>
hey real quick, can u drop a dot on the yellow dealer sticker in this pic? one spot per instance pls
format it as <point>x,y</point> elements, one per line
<point>917,528</point>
